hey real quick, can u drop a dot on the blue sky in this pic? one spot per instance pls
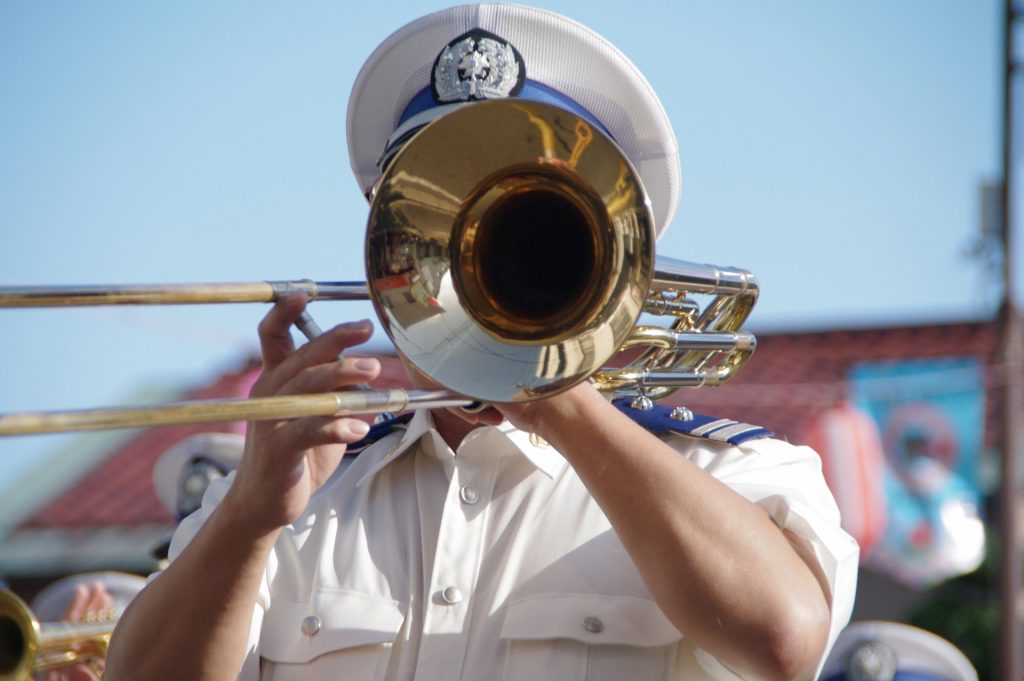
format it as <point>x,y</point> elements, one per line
<point>834,149</point>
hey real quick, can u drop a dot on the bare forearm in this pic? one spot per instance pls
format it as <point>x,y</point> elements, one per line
<point>192,622</point>
<point>714,561</point>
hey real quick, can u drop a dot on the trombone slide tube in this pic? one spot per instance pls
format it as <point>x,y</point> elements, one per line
<point>713,342</point>
<point>684,341</point>
<point>177,294</point>
<point>699,278</point>
<point>212,411</point>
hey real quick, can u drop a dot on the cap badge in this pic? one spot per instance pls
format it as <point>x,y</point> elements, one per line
<point>195,478</point>
<point>477,65</point>
<point>871,661</point>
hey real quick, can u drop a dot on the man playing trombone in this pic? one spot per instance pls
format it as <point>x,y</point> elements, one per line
<point>544,539</point>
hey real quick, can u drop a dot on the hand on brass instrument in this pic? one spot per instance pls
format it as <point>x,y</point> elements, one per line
<point>89,602</point>
<point>286,461</point>
<point>535,416</point>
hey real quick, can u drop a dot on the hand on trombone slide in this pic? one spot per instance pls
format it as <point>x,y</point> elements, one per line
<point>287,460</point>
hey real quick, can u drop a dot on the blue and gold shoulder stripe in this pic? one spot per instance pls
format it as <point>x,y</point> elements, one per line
<point>661,420</point>
<point>379,431</point>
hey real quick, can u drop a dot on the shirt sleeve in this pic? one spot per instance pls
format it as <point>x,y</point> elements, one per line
<point>184,533</point>
<point>786,481</point>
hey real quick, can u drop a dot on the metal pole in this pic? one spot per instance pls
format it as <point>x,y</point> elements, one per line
<point>1011,643</point>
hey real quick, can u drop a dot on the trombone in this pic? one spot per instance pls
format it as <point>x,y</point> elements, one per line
<point>27,645</point>
<point>509,255</point>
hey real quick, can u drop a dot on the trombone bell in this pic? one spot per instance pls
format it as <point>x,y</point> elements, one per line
<point>517,268</point>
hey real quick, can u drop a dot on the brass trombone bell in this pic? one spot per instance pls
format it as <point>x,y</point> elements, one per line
<point>509,250</point>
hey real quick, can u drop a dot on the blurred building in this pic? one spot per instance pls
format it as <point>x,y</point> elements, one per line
<point>92,506</point>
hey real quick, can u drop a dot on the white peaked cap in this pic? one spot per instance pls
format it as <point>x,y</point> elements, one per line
<point>890,651</point>
<point>222,449</point>
<point>558,53</point>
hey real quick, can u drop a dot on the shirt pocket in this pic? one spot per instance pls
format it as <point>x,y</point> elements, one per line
<point>335,630</point>
<point>587,637</point>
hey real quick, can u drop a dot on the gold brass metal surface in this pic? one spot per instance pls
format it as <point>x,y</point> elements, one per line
<point>176,294</point>
<point>28,646</point>
<point>516,269</point>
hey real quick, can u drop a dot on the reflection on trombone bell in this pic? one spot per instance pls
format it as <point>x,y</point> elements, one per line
<point>509,276</point>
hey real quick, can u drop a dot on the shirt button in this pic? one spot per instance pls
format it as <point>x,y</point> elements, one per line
<point>310,625</point>
<point>451,595</point>
<point>469,494</point>
<point>594,625</point>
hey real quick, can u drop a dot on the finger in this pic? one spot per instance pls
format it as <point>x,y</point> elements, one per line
<point>275,330</point>
<point>332,376</point>
<point>315,431</point>
<point>80,672</point>
<point>78,605</point>
<point>103,601</point>
<point>320,350</point>
<point>94,600</point>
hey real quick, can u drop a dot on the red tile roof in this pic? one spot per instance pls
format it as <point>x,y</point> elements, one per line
<point>119,492</point>
<point>794,376</point>
<point>791,377</point>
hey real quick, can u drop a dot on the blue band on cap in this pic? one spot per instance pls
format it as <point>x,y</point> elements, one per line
<point>532,90</point>
<point>901,675</point>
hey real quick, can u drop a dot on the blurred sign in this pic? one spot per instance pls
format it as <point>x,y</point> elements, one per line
<point>850,446</point>
<point>930,414</point>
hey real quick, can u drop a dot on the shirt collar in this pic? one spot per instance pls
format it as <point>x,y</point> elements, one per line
<point>542,455</point>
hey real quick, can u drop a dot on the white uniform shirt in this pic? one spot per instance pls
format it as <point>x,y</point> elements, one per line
<point>494,562</point>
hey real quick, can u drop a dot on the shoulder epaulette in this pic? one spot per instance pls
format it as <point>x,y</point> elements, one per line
<point>660,420</point>
<point>378,431</point>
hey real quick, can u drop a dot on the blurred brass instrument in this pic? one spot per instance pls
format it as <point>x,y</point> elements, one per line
<point>509,256</point>
<point>28,646</point>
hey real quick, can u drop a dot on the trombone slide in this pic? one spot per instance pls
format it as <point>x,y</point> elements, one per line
<point>236,409</point>
<point>178,294</point>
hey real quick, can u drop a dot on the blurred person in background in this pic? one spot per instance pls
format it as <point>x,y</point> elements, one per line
<point>891,651</point>
<point>84,597</point>
<point>180,478</point>
<point>183,473</point>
